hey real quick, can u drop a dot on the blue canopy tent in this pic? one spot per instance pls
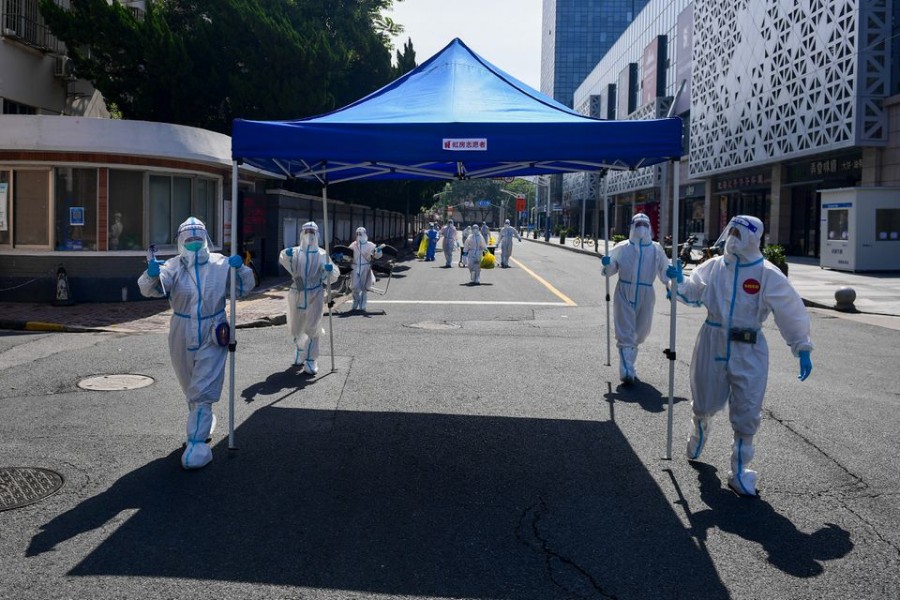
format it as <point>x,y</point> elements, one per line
<point>456,116</point>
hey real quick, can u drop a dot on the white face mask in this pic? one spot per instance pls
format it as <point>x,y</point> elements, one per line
<point>309,239</point>
<point>362,238</point>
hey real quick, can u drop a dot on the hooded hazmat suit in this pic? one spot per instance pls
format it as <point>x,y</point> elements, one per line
<point>195,282</point>
<point>431,235</point>
<point>310,269</point>
<point>507,233</point>
<point>474,248</point>
<point>730,363</point>
<point>362,278</point>
<point>638,261</point>
<point>449,244</point>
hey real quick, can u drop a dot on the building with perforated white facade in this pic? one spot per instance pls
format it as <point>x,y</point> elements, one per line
<point>781,99</point>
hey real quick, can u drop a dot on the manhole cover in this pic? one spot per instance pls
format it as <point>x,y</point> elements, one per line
<point>434,325</point>
<point>21,486</point>
<point>111,383</point>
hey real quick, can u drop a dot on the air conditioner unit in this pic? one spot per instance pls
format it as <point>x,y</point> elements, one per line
<point>62,67</point>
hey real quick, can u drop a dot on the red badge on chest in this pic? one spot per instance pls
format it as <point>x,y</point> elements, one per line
<point>751,286</point>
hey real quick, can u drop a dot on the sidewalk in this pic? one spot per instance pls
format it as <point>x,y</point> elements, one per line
<point>877,294</point>
<point>877,302</point>
<point>264,306</point>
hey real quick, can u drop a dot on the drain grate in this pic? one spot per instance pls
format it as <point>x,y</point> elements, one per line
<point>113,383</point>
<point>21,486</point>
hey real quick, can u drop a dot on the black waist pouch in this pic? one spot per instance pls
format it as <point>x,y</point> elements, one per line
<point>743,336</point>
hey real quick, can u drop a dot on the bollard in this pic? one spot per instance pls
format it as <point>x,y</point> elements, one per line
<point>844,299</point>
<point>63,291</point>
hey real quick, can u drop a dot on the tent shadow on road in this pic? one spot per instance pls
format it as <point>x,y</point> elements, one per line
<point>402,504</point>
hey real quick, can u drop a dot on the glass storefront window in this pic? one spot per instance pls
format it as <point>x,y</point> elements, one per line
<point>887,224</point>
<point>76,209</point>
<point>204,204</point>
<point>171,203</point>
<point>838,224</point>
<point>31,208</point>
<point>126,210</point>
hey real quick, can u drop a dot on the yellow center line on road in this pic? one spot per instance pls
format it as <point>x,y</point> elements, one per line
<point>545,283</point>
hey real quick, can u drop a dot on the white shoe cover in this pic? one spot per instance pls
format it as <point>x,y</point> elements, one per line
<point>698,438</point>
<point>627,356</point>
<point>746,485</point>
<point>311,367</point>
<point>200,424</point>
<point>741,479</point>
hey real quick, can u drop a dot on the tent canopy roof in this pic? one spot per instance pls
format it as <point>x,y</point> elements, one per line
<point>454,116</point>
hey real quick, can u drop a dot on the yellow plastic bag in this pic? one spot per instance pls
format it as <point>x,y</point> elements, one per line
<point>423,247</point>
<point>491,241</point>
<point>488,261</point>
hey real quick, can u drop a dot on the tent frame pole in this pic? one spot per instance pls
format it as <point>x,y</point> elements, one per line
<point>328,298</point>
<point>675,166</point>
<point>606,253</point>
<point>232,330</point>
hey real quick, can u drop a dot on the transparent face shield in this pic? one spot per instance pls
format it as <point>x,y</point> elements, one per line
<point>309,237</point>
<point>734,229</point>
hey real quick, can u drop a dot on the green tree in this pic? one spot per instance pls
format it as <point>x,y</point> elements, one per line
<point>405,61</point>
<point>207,62</point>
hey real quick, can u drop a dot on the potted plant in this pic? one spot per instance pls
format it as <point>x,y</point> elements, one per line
<point>563,231</point>
<point>774,253</point>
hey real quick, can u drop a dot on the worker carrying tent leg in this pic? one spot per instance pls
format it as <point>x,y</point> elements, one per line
<point>730,364</point>
<point>362,278</point>
<point>195,281</point>
<point>638,261</point>
<point>309,267</point>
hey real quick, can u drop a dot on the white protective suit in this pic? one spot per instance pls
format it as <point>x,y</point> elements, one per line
<point>739,290</point>
<point>475,248</point>
<point>196,283</point>
<point>463,256</point>
<point>638,261</point>
<point>449,244</point>
<point>306,265</point>
<point>507,233</point>
<point>485,232</point>
<point>362,278</point>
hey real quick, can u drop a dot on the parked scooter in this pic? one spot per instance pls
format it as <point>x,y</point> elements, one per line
<point>690,256</point>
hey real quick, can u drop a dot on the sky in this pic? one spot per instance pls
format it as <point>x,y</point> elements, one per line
<point>506,33</point>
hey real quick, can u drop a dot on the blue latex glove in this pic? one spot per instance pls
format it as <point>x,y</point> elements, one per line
<point>153,268</point>
<point>805,365</point>
<point>235,261</point>
<point>676,273</point>
<point>289,252</point>
<point>329,267</point>
<point>606,260</point>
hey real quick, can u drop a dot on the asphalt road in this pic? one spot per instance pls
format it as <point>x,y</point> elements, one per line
<point>471,443</point>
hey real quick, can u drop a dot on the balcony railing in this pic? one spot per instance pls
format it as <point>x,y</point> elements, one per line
<point>21,21</point>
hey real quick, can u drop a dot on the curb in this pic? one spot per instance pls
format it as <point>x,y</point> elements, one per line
<point>44,326</point>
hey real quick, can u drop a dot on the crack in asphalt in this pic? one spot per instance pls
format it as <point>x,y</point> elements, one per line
<point>845,492</point>
<point>523,531</point>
